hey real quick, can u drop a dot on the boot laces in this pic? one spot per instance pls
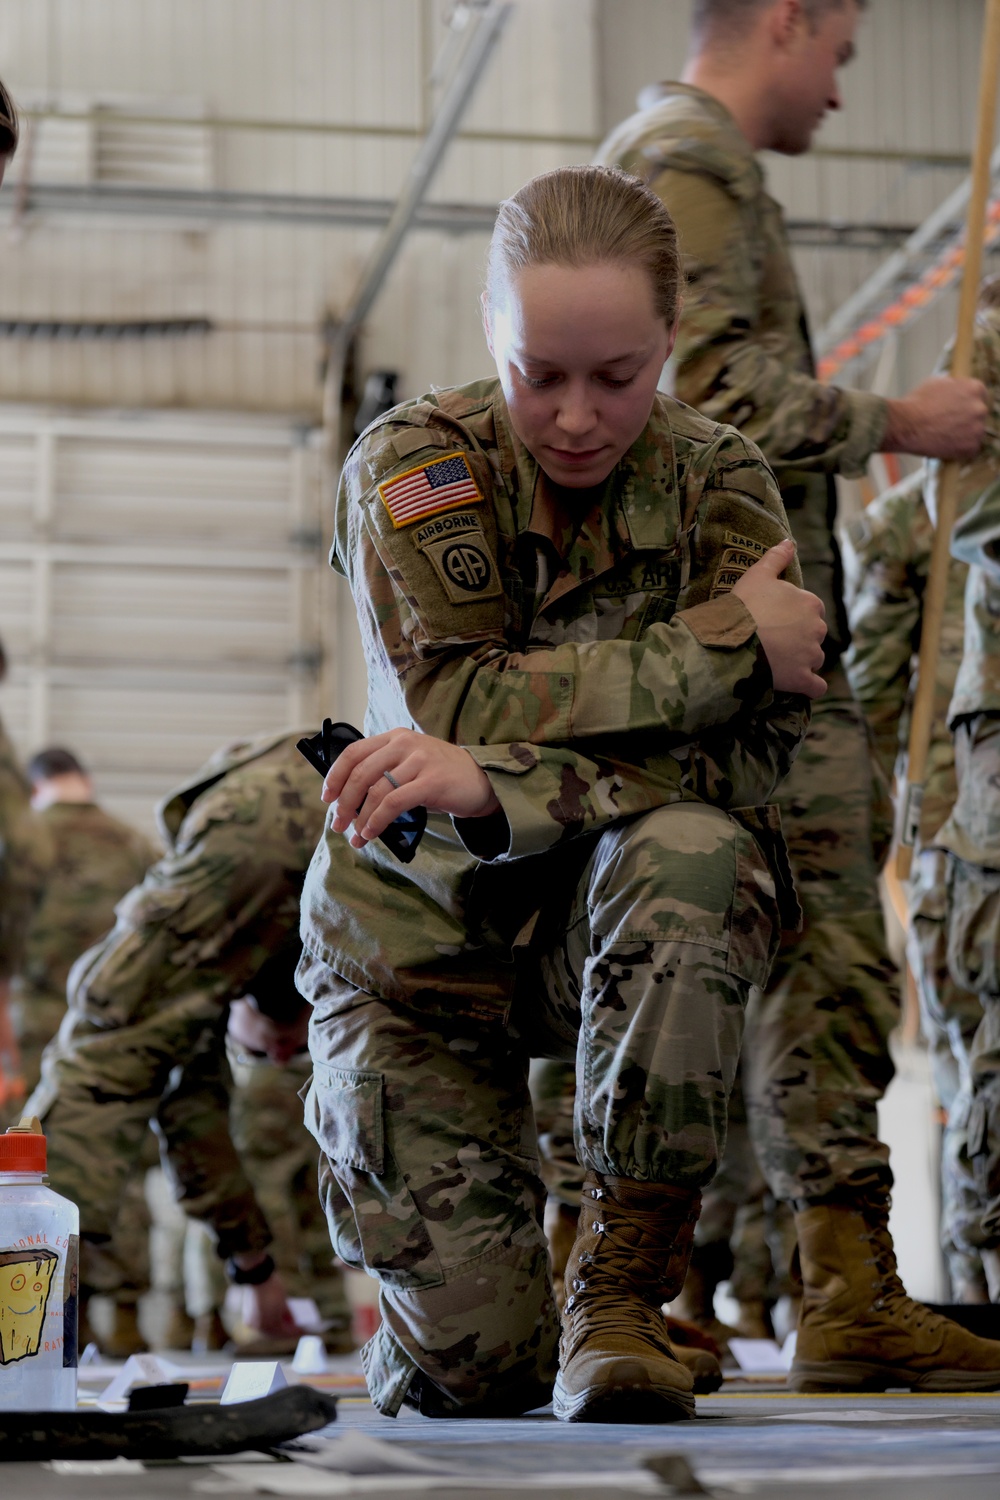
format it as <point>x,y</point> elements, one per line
<point>890,1293</point>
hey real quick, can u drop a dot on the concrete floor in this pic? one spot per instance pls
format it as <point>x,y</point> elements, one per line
<point>747,1440</point>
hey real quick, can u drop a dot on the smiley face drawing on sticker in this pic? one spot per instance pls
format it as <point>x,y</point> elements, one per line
<point>467,566</point>
<point>25,1283</point>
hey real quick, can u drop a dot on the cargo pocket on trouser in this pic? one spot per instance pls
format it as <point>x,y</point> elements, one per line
<point>477,1337</point>
<point>374,1223</point>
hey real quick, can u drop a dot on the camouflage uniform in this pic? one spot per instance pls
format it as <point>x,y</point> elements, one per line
<point>15,792</point>
<point>889,550</point>
<point>82,861</point>
<point>280,1159</point>
<point>617,910</point>
<point>155,994</point>
<point>972,838</point>
<point>816,1060</point>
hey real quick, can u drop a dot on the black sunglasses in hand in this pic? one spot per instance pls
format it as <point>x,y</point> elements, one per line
<point>403,836</point>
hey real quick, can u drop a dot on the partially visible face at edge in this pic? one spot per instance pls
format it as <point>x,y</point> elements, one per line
<point>259,1035</point>
<point>807,85</point>
<point>579,351</point>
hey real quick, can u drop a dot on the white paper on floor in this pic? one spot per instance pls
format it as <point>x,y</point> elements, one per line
<point>295,1479</point>
<point>94,1468</point>
<point>863,1415</point>
<point>758,1356</point>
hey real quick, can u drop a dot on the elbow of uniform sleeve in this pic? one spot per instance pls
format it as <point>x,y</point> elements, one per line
<point>732,672</point>
<point>868,418</point>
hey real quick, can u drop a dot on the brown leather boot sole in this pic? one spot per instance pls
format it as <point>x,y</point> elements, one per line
<point>824,1377</point>
<point>625,1394</point>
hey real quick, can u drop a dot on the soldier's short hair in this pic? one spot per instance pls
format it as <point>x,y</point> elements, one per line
<point>53,761</point>
<point>989,291</point>
<point>10,129</point>
<point>585,216</point>
<point>272,988</point>
<point>711,19</point>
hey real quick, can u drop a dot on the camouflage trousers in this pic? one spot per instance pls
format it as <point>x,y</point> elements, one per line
<point>737,1211</point>
<point>431,1176</point>
<point>281,1161</point>
<point>816,1058</point>
<point>950,1016</point>
<point>973,836</point>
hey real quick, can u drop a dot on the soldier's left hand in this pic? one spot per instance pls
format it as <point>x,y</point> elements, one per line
<point>376,779</point>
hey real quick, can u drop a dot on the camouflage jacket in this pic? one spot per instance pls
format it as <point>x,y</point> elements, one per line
<point>153,994</point>
<point>743,353</point>
<point>888,553</point>
<point>82,862</point>
<point>620,676</point>
<point>14,795</point>
<point>976,541</point>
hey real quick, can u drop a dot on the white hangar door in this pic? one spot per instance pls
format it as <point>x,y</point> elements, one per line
<point>160,588</point>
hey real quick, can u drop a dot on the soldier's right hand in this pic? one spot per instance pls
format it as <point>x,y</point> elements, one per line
<point>940,418</point>
<point>789,622</point>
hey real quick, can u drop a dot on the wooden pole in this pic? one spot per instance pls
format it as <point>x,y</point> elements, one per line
<point>961,366</point>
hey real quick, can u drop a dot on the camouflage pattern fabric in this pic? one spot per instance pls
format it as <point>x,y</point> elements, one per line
<point>81,862</point>
<point>816,1060</point>
<point>154,993</point>
<point>431,1179</point>
<point>612,914</point>
<point>816,1065</point>
<point>743,353</point>
<point>888,552</point>
<point>15,792</point>
<point>280,1158</point>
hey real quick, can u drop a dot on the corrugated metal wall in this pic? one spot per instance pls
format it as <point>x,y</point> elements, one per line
<point>140,658</point>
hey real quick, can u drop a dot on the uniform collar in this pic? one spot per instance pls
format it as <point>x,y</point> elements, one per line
<point>638,511</point>
<point>700,130</point>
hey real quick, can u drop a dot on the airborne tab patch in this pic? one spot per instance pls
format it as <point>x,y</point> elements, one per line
<point>441,485</point>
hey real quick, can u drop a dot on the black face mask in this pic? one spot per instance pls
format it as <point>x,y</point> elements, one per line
<point>401,837</point>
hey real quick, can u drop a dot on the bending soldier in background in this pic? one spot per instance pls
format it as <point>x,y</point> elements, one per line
<point>214,920</point>
<point>76,863</point>
<point>761,75</point>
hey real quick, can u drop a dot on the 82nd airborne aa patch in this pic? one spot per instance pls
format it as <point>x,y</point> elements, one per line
<point>440,485</point>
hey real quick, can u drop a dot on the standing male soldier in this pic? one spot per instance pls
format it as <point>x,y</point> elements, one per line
<point>15,791</point>
<point>214,920</point>
<point>762,74</point>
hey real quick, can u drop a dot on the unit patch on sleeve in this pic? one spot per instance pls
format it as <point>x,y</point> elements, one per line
<point>739,553</point>
<point>442,484</point>
<point>464,566</point>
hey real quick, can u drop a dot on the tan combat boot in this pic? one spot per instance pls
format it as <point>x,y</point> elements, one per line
<point>616,1363</point>
<point>858,1330</point>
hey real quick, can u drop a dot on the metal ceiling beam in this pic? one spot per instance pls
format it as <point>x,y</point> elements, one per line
<point>194,208</point>
<point>952,160</point>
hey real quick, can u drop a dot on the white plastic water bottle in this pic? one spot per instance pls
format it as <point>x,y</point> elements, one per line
<point>39,1277</point>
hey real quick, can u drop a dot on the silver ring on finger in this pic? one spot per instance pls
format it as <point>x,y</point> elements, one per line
<point>391,780</point>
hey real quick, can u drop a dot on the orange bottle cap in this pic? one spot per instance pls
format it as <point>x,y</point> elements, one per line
<point>23,1149</point>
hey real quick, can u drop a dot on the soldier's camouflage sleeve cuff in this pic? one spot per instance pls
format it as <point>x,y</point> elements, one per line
<point>869,418</point>
<point>528,822</point>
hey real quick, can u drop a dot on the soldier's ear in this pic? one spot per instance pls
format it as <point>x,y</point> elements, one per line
<point>672,339</point>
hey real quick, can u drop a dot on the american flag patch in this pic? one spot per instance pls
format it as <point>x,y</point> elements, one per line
<point>437,486</point>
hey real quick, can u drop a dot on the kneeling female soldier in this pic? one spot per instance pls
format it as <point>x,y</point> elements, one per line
<point>583,658</point>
